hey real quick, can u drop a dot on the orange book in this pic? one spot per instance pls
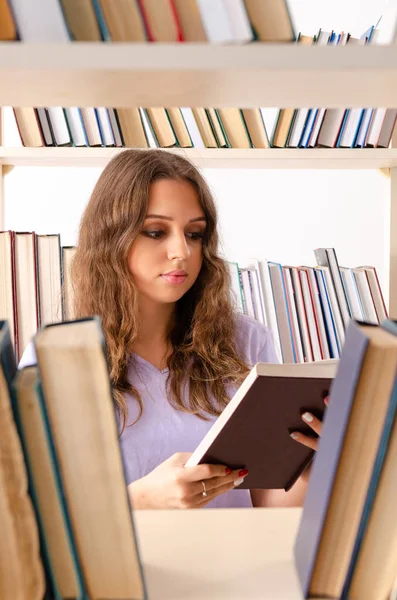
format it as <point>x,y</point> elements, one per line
<point>7,25</point>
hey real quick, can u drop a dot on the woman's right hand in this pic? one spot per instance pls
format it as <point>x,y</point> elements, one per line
<point>172,485</point>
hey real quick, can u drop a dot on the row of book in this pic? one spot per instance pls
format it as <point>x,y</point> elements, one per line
<point>336,127</point>
<point>66,526</point>
<point>66,521</point>
<point>307,309</point>
<point>213,21</point>
<point>205,127</point>
<point>35,287</point>
<point>346,546</point>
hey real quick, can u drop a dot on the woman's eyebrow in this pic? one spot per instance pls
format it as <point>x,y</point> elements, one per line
<point>171,219</point>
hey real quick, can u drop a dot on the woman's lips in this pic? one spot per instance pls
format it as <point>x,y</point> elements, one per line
<point>174,279</point>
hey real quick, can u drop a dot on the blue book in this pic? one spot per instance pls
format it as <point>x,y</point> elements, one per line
<point>46,488</point>
<point>103,28</point>
<point>338,486</point>
<point>326,308</point>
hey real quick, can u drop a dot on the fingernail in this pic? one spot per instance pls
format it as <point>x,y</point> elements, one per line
<point>294,436</point>
<point>307,417</point>
<point>243,473</point>
<point>238,481</point>
<point>326,400</point>
<point>228,470</point>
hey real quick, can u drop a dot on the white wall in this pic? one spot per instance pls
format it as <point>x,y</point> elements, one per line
<point>281,215</point>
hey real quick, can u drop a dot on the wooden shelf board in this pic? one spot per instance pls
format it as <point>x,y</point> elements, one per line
<point>131,74</point>
<point>319,158</point>
<point>219,554</point>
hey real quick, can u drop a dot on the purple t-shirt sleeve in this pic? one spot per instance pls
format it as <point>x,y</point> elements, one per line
<point>254,341</point>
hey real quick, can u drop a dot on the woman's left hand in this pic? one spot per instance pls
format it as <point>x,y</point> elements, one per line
<point>314,424</point>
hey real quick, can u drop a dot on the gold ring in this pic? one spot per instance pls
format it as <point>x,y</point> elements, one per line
<point>204,489</point>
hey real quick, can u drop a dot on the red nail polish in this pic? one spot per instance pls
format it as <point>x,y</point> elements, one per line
<point>243,472</point>
<point>228,470</point>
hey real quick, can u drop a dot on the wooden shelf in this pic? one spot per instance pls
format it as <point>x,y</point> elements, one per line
<point>130,74</point>
<point>216,554</point>
<point>318,158</point>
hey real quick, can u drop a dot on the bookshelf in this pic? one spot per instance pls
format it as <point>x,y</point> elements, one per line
<point>203,75</point>
<point>131,74</point>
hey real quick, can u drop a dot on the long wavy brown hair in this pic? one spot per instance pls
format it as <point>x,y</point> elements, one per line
<point>203,337</point>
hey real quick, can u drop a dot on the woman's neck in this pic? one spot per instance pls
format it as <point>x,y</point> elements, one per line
<point>152,343</point>
<point>155,321</point>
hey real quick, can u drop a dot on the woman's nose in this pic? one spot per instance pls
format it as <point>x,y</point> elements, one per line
<point>178,248</point>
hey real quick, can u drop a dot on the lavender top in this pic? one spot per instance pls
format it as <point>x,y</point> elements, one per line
<point>162,430</point>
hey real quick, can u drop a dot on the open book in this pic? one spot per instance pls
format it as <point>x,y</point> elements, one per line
<point>254,429</point>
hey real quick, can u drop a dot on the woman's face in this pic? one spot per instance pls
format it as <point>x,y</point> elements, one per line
<point>166,257</point>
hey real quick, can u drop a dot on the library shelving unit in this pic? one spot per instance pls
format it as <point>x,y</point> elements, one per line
<point>122,75</point>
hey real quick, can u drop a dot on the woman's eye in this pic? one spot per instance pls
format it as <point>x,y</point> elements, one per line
<point>195,235</point>
<point>154,234</point>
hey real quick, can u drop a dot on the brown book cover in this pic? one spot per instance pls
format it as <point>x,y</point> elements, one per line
<point>253,431</point>
<point>81,19</point>
<point>124,20</point>
<point>19,539</point>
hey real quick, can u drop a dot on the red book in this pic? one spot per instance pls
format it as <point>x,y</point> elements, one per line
<point>160,19</point>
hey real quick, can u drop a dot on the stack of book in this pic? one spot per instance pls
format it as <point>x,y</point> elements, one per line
<point>346,545</point>
<point>66,520</point>
<point>213,21</point>
<point>35,287</point>
<point>307,308</point>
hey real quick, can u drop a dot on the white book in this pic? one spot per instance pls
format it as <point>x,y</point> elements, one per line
<point>270,309</point>
<point>257,297</point>
<point>76,126</point>
<point>308,130</point>
<point>336,313</point>
<point>350,128</point>
<point>236,291</point>
<point>327,314</point>
<point>318,313</point>
<point>330,128</point>
<point>40,21</point>
<point>192,127</point>
<point>320,114</point>
<point>365,295</point>
<point>147,126</point>
<point>249,304</point>
<point>356,310</point>
<point>298,127</point>
<point>45,126</point>
<point>59,125</point>
<point>364,128</point>
<point>91,126</point>
<point>387,128</point>
<point>256,287</point>
<point>311,321</point>
<point>283,321</point>
<point>115,128</point>
<point>270,116</point>
<point>375,127</point>
<point>241,25</point>
<point>300,307</point>
<point>105,126</point>
<point>225,21</point>
<point>293,315</point>
<point>326,257</point>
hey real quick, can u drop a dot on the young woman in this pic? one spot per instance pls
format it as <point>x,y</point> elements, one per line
<point>148,264</point>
